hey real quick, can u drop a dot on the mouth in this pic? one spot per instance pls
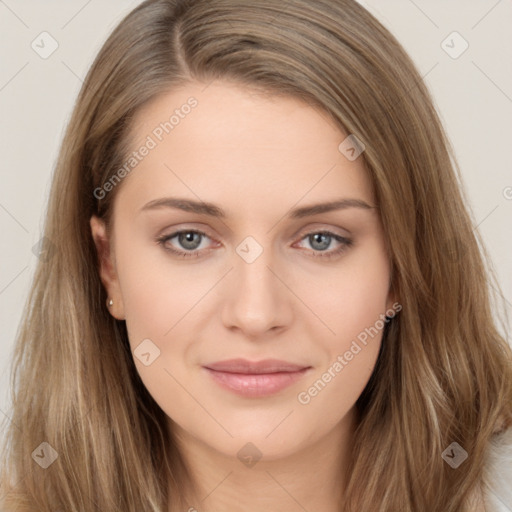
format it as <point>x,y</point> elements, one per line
<point>255,379</point>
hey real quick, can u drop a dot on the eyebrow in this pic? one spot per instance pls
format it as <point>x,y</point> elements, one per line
<point>200,207</point>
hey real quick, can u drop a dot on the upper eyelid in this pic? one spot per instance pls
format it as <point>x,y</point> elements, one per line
<point>315,228</point>
<point>297,237</point>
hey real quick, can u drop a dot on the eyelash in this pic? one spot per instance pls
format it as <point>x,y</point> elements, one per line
<point>346,243</point>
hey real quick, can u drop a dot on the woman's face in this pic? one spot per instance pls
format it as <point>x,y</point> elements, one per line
<point>256,274</point>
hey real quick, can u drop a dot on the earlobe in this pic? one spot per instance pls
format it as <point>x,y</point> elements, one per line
<point>107,270</point>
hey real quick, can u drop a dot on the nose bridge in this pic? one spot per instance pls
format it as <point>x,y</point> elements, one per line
<point>258,301</point>
<point>252,270</point>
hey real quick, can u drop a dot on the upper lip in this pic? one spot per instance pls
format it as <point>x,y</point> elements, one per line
<point>255,367</point>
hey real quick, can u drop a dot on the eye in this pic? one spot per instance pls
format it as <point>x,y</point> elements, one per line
<point>190,241</point>
<point>320,241</point>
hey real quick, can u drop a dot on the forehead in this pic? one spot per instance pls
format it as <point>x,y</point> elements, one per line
<point>221,142</point>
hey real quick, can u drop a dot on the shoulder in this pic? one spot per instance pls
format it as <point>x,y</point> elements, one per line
<point>497,478</point>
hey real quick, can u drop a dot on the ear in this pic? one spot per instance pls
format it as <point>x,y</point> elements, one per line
<point>107,268</point>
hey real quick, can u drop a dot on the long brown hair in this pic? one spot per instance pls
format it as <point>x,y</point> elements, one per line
<point>444,373</point>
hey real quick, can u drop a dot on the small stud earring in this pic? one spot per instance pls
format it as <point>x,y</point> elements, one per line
<point>110,302</point>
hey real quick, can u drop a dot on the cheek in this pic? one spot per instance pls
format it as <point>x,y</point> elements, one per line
<point>157,292</point>
<point>353,305</point>
<point>350,297</point>
<point>358,318</point>
<point>158,297</point>
<point>331,393</point>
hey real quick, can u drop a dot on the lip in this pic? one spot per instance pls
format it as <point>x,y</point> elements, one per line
<point>255,378</point>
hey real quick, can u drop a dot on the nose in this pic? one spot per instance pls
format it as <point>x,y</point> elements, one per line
<point>258,301</point>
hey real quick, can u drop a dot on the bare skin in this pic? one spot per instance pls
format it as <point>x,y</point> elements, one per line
<point>257,158</point>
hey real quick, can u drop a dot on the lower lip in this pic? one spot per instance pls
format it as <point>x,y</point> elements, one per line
<point>256,385</point>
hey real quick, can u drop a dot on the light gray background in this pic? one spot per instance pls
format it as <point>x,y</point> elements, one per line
<point>473,94</point>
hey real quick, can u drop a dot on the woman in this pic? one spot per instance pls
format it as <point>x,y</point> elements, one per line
<point>264,291</point>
